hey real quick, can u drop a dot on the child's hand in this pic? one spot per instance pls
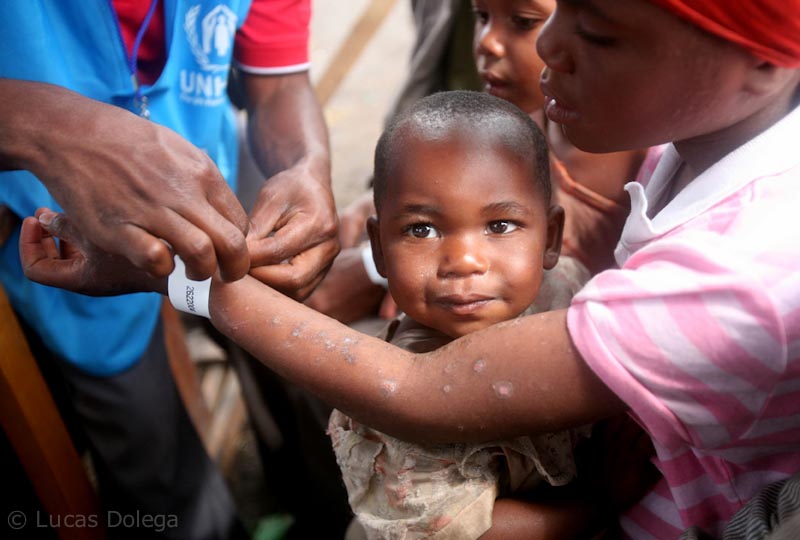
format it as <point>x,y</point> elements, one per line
<point>75,264</point>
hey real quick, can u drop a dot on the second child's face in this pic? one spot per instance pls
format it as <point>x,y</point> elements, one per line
<point>462,235</point>
<point>505,48</point>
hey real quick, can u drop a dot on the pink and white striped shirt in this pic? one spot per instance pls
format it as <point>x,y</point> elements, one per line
<point>699,331</point>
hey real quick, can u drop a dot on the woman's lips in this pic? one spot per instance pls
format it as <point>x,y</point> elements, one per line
<point>555,108</point>
<point>559,113</point>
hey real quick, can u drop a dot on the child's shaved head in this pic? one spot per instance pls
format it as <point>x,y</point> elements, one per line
<point>474,117</point>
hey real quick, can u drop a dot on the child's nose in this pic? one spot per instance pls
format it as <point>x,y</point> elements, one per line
<point>490,42</point>
<point>551,44</point>
<point>462,257</point>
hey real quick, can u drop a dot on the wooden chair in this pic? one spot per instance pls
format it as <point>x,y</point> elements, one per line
<point>34,426</point>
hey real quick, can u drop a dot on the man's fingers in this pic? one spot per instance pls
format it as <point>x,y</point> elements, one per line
<point>295,237</point>
<point>204,243</point>
<point>301,275</point>
<point>192,244</point>
<point>229,207</point>
<point>228,226</point>
<point>229,246</point>
<point>196,248</point>
<point>283,278</point>
<point>143,249</point>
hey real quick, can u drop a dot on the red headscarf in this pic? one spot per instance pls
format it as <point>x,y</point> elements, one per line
<point>770,29</point>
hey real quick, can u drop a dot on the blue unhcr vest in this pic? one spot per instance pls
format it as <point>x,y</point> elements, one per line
<point>78,45</point>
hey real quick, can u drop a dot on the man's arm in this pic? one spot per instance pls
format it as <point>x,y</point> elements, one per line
<point>127,183</point>
<point>292,240</point>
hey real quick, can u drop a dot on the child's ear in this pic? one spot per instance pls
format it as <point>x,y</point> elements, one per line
<point>555,232</point>
<point>375,241</point>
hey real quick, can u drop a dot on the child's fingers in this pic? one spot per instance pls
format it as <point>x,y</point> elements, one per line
<point>56,224</point>
<point>34,251</point>
<point>40,259</point>
<point>48,241</point>
<point>33,243</point>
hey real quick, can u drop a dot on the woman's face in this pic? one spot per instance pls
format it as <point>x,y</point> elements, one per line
<point>624,74</point>
<point>505,48</point>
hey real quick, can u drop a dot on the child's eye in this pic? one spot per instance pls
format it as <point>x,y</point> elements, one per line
<point>421,230</point>
<point>481,16</point>
<point>502,227</point>
<point>525,23</point>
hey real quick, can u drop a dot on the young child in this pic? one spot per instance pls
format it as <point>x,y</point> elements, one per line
<point>464,232</point>
<point>696,334</point>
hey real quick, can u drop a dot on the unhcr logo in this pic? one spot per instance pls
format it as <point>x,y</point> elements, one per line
<point>211,41</point>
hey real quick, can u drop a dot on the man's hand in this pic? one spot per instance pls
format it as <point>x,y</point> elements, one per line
<point>292,238</point>
<point>74,263</point>
<point>126,182</point>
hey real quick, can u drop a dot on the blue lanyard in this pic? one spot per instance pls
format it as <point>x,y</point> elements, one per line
<point>139,99</point>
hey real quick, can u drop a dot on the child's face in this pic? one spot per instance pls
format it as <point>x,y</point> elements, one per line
<point>505,48</point>
<point>463,234</point>
<point>624,74</point>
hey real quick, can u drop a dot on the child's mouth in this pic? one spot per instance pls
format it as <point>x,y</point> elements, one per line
<point>463,305</point>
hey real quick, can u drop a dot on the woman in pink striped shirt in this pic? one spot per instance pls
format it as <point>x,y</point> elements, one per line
<point>697,334</point>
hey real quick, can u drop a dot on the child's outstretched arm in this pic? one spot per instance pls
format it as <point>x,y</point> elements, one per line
<point>516,378</point>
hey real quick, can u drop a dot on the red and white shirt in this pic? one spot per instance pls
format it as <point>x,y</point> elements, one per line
<point>272,41</point>
<point>699,331</point>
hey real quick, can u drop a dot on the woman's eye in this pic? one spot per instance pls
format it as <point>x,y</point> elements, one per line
<point>595,39</point>
<point>502,227</point>
<point>421,230</point>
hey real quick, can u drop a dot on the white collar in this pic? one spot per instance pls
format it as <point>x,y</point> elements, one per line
<point>769,153</point>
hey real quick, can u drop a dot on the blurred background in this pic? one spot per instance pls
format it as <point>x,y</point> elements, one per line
<point>359,57</point>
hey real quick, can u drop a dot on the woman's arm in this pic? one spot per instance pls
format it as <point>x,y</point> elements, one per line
<point>514,378</point>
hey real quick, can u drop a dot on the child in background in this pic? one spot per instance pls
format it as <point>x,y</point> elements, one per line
<point>590,187</point>
<point>464,232</point>
<point>696,334</point>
